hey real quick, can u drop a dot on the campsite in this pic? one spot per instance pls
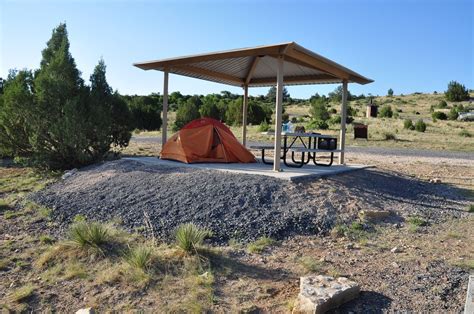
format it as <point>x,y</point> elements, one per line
<point>245,174</point>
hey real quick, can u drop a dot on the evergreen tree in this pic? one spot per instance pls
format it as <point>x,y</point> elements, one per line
<point>186,112</point>
<point>456,92</point>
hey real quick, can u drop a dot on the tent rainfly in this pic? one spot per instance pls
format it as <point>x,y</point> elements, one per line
<point>282,64</point>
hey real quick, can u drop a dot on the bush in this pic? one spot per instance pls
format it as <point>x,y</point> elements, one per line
<point>189,237</point>
<point>264,126</point>
<point>408,124</point>
<point>386,111</point>
<point>390,92</point>
<point>465,133</point>
<point>294,120</point>
<point>319,110</point>
<point>336,119</point>
<point>442,104</point>
<point>88,235</point>
<point>146,112</point>
<point>453,114</point>
<point>456,92</point>
<point>317,125</point>
<point>139,257</point>
<point>285,117</point>
<point>259,245</point>
<point>186,113</point>
<point>420,126</point>
<point>210,110</point>
<point>389,136</point>
<point>439,115</point>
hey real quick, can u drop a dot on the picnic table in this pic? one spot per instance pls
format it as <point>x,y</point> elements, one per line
<point>307,144</point>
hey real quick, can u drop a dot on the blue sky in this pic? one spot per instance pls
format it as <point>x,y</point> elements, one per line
<point>410,46</point>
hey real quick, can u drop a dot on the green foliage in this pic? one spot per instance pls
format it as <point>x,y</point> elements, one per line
<point>442,104</point>
<point>453,114</point>
<point>420,126</point>
<point>390,92</point>
<point>87,235</point>
<point>317,125</point>
<point>439,115</point>
<point>408,124</point>
<point>389,136</point>
<point>264,126</point>
<point>271,95</point>
<point>354,231</point>
<point>335,119</point>
<point>456,92</point>
<point>260,244</point>
<point>470,208</point>
<point>257,113</point>
<point>54,119</point>
<point>336,95</point>
<point>233,115</point>
<point>465,133</point>
<point>139,257</point>
<point>319,110</point>
<point>21,293</point>
<point>386,111</point>
<point>46,239</point>
<point>146,112</point>
<point>311,265</point>
<point>189,237</point>
<point>186,113</point>
<point>210,110</point>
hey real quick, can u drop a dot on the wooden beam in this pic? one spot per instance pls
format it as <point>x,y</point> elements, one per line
<point>244,115</point>
<point>209,74</point>
<point>342,136</point>
<point>251,70</point>
<point>319,64</point>
<point>298,79</point>
<point>165,109</point>
<point>278,114</point>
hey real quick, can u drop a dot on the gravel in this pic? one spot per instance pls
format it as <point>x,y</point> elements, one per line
<point>237,206</point>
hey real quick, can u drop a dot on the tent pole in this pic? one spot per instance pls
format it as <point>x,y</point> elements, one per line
<point>244,115</point>
<point>165,109</point>
<point>278,113</point>
<point>342,136</point>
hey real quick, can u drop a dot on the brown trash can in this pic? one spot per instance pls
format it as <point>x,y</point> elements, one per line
<point>361,131</point>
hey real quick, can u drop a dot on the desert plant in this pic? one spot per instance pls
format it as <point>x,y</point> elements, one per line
<point>465,133</point>
<point>420,126</point>
<point>189,237</point>
<point>139,257</point>
<point>389,136</point>
<point>386,111</point>
<point>89,235</point>
<point>439,115</point>
<point>260,244</point>
<point>408,124</point>
<point>456,92</point>
<point>453,114</point>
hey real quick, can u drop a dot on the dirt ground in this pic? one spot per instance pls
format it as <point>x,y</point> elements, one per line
<point>428,273</point>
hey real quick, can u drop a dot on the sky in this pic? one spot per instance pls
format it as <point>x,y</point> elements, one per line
<point>407,45</point>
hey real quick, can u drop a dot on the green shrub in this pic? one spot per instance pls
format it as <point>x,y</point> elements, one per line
<point>389,136</point>
<point>264,126</point>
<point>465,133</point>
<point>336,119</point>
<point>259,245</point>
<point>139,257</point>
<point>439,115</point>
<point>453,114</point>
<point>420,126</point>
<point>189,237</point>
<point>386,111</point>
<point>408,124</point>
<point>294,120</point>
<point>146,112</point>
<point>317,125</point>
<point>470,208</point>
<point>187,112</point>
<point>456,92</point>
<point>319,110</point>
<point>442,104</point>
<point>87,235</point>
<point>390,92</point>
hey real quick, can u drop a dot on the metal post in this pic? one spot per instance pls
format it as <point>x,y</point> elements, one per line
<point>278,113</point>
<point>244,115</point>
<point>342,137</point>
<point>164,137</point>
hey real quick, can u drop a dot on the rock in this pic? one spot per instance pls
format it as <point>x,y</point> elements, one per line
<point>374,214</point>
<point>394,264</point>
<point>435,180</point>
<point>87,310</point>
<point>69,173</point>
<point>349,246</point>
<point>396,250</point>
<point>319,294</point>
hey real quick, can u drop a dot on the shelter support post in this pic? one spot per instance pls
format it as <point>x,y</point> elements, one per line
<point>244,115</point>
<point>278,113</point>
<point>342,137</point>
<point>164,135</point>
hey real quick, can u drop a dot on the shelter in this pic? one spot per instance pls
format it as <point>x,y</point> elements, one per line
<point>282,64</point>
<point>205,140</point>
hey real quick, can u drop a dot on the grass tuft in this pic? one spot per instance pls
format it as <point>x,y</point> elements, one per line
<point>470,208</point>
<point>89,235</point>
<point>21,293</point>
<point>259,245</point>
<point>311,265</point>
<point>189,237</point>
<point>46,239</point>
<point>139,257</point>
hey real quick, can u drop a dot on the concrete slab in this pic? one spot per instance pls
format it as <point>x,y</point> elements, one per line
<point>259,168</point>
<point>469,306</point>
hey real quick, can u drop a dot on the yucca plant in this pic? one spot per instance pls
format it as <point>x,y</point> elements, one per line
<point>190,236</point>
<point>139,257</point>
<point>89,235</point>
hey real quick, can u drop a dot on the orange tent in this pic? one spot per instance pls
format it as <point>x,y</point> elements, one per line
<point>205,140</point>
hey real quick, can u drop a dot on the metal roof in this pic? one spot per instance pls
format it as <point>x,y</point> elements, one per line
<point>257,66</point>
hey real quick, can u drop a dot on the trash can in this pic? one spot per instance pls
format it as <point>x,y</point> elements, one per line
<point>361,131</point>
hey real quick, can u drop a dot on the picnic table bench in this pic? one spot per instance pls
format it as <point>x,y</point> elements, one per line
<point>317,143</point>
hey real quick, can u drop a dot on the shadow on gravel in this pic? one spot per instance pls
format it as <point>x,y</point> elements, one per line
<point>367,302</point>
